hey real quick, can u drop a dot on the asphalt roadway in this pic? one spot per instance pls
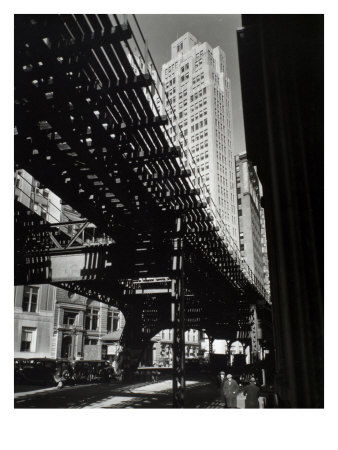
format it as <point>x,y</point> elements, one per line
<point>198,394</point>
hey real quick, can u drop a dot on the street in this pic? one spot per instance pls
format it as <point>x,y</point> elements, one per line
<point>198,394</point>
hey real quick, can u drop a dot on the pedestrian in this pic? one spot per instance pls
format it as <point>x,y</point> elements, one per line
<point>220,382</point>
<point>58,379</point>
<point>251,393</point>
<point>230,389</point>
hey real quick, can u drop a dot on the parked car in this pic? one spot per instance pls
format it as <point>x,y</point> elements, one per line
<point>42,371</point>
<point>18,366</point>
<point>89,371</point>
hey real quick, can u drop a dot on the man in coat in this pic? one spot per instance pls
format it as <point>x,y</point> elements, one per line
<point>220,382</point>
<point>252,393</point>
<point>230,389</point>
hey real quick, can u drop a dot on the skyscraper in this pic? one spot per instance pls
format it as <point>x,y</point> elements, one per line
<point>198,103</point>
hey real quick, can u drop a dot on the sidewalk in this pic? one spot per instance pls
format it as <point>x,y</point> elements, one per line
<point>24,391</point>
<point>132,394</point>
<point>241,401</point>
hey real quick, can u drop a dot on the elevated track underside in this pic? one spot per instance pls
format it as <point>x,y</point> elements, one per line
<point>86,130</point>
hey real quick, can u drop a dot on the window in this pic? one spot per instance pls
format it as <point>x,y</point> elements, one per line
<point>109,321</point>
<point>30,299</point>
<point>90,341</point>
<point>92,319</point>
<point>116,320</point>
<point>69,317</point>
<point>28,339</point>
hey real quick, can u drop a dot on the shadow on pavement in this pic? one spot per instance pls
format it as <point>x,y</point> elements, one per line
<point>201,396</point>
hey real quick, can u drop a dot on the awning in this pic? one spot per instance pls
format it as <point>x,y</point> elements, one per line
<point>113,336</point>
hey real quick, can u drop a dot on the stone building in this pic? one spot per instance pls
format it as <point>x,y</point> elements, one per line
<point>34,309</point>
<point>159,351</point>
<point>251,219</point>
<point>50,322</point>
<point>199,107</point>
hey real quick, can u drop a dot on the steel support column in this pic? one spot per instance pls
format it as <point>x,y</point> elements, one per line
<point>211,342</point>
<point>254,337</point>
<point>178,316</point>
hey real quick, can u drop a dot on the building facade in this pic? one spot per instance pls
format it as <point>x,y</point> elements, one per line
<point>251,219</point>
<point>253,243</point>
<point>42,201</point>
<point>197,99</point>
<point>34,309</point>
<point>50,322</point>
<point>85,328</point>
<point>160,352</point>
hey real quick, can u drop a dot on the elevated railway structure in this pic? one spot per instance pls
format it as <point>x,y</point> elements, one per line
<point>85,128</point>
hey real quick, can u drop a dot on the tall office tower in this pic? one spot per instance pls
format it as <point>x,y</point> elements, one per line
<point>199,108</point>
<point>251,220</point>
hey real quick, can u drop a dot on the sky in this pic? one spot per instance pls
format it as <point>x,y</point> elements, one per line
<point>160,30</point>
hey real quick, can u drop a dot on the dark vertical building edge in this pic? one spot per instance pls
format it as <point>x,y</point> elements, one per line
<point>281,67</point>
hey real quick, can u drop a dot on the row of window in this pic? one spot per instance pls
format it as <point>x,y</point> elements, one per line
<point>185,67</point>
<point>201,158</point>
<point>199,114</point>
<point>30,304</point>
<point>197,136</point>
<point>171,68</point>
<point>190,335</point>
<point>198,147</point>
<point>197,125</point>
<point>92,320</point>
<point>28,340</point>
<point>184,77</point>
<point>198,78</point>
<point>198,63</point>
<point>198,94</point>
<point>198,104</point>
<point>182,114</point>
<point>179,47</point>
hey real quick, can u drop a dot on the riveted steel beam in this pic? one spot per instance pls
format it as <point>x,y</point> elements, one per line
<point>178,316</point>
